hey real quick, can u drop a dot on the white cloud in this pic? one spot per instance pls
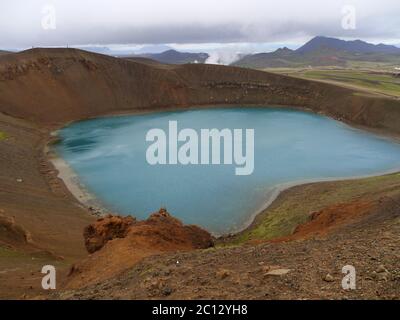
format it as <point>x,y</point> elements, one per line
<point>191,21</point>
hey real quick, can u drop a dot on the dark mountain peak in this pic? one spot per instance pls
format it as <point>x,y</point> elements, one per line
<point>284,49</point>
<point>319,42</point>
<point>359,46</point>
<point>322,38</point>
<point>170,51</point>
<point>176,57</point>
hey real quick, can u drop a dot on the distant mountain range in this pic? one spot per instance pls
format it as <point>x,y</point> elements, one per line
<point>357,46</point>
<point>176,57</point>
<point>155,48</point>
<point>323,51</point>
<point>318,52</point>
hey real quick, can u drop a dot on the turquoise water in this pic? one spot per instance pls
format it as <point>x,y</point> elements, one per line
<point>109,155</point>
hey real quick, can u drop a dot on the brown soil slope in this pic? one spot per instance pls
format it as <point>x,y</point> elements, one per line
<point>32,197</point>
<point>58,85</point>
<point>39,220</point>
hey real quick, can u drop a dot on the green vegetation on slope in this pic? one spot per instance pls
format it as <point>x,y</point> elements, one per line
<point>2,135</point>
<point>379,82</point>
<point>294,205</point>
<point>6,252</point>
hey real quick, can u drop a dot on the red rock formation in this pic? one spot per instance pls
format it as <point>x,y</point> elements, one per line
<point>105,229</point>
<point>118,243</point>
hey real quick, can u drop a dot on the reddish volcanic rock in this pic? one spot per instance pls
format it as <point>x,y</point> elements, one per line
<point>118,243</point>
<point>105,229</point>
<point>176,231</point>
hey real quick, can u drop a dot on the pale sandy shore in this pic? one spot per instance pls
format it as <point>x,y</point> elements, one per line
<point>77,189</point>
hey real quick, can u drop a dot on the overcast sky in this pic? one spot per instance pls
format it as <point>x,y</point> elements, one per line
<point>197,23</point>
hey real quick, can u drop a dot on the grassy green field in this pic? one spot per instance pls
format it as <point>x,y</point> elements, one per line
<point>373,81</point>
<point>373,65</point>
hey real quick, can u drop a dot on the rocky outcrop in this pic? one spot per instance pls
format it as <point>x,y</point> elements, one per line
<point>173,230</point>
<point>105,229</point>
<point>118,243</point>
<point>13,234</point>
